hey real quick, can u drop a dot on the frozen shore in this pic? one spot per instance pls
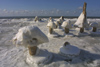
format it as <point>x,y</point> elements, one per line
<point>12,56</point>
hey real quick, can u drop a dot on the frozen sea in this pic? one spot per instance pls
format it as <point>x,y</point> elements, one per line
<point>15,56</point>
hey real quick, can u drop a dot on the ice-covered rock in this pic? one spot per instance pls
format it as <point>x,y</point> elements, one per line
<point>68,50</point>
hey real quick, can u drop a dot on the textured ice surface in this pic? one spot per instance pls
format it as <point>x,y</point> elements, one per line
<point>42,57</point>
<point>12,56</point>
<point>69,51</point>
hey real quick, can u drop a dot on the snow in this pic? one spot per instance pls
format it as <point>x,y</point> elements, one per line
<point>51,24</point>
<point>69,51</point>
<point>12,56</point>
<point>94,24</point>
<point>81,21</point>
<point>43,57</point>
<point>66,24</point>
<point>30,35</point>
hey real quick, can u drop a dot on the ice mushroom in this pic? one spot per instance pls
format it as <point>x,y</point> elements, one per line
<point>68,50</point>
<point>59,22</point>
<point>51,26</point>
<point>66,25</point>
<point>50,19</point>
<point>56,23</point>
<point>94,25</point>
<point>31,37</point>
<point>82,20</point>
<point>62,18</point>
<point>37,19</point>
<point>52,29</point>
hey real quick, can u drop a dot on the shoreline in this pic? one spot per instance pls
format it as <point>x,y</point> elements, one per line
<point>18,17</point>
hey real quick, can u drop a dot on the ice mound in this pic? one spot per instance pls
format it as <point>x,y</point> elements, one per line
<point>68,50</point>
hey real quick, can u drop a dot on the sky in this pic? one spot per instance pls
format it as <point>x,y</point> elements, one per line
<point>48,7</point>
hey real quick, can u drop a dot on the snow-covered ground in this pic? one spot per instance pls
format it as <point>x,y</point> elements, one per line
<point>12,56</point>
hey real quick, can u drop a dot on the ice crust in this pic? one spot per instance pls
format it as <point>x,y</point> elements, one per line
<point>12,56</point>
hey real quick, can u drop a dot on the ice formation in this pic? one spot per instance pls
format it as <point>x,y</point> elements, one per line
<point>82,20</point>
<point>10,56</point>
<point>51,24</point>
<point>31,36</point>
<point>68,50</point>
<point>66,24</point>
<point>37,19</point>
<point>26,36</point>
<point>60,21</point>
<point>94,26</point>
<point>62,18</point>
<point>50,19</point>
<point>42,57</point>
<point>56,23</point>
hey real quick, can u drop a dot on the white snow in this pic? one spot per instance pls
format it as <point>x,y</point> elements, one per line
<point>81,21</point>
<point>51,24</point>
<point>69,51</point>
<point>43,57</point>
<point>94,24</point>
<point>12,56</point>
<point>26,35</point>
<point>66,24</point>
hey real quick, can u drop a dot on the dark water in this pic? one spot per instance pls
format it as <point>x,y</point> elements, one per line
<point>18,17</point>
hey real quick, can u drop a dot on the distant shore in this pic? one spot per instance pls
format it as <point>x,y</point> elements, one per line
<point>18,17</point>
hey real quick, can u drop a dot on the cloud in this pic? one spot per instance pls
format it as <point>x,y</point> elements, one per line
<point>5,10</point>
<point>67,11</point>
<point>80,8</point>
<point>52,12</point>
